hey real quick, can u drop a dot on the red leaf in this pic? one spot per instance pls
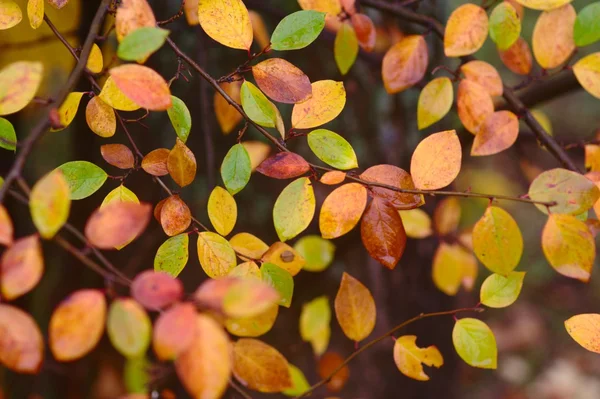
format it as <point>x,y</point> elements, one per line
<point>284,165</point>
<point>155,290</point>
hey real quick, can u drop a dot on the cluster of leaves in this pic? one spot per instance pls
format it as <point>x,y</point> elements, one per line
<point>250,279</point>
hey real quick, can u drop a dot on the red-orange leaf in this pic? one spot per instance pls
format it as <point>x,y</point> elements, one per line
<point>156,290</point>
<point>282,81</point>
<point>328,363</point>
<point>174,331</point>
<point>175,216</point>
<point>143,86</point>
<point>117,224</point>
<point>21,342</point>
<point>284,165</point>
<point>155,162</point>
<point>118,155</point>
<point>396,177</point>
<point>365,31</point>
<point>21,267</point>
<point>405,64</point>
<point>518,57</point>
<point>342,210</point>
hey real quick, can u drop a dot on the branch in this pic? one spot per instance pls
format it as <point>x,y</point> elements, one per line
<point>381,338</point>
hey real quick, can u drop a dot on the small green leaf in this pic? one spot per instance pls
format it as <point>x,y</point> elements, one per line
<point>345,47</point>
<point>236,169</point>
<point>587,25</point>
<point>505,25</point>
<point>136,374</point>
<point>317,251</point>
<point>141,43</point>
<point>299,382</point>
<point>257,105</point>
<point>498,291</point>
<point>84,178</point>
<point>129,327</point>
<point>172,255</point>
<point>332,149</point>
<point>315,320</point>
<point>475,343</point>
<point>298,30</point>
<point>180,117</point>
<point>294,209</point>
<point>8,136</point>
<point>279,279</point>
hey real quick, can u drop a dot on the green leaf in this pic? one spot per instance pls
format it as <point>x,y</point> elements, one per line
<point>8,136</point>
<point>317,251</point>
<point>50,204</point>
<point>294,209</point>
<point>475,343</point>
<point>136,374</point>
<point>587,25</point>
<point>129,327</point>
<point>279,279</point>
<point>345,47</point>
<point>180,117</point>
<point>257,105</point>
<point>172,255</point>
<point>236,169</point>
<point>315,320</point>
<point>141,43</point>
<point>84,178</point>
<point>505,25</point>
<point>299,382</point>
<point>298,30</point>
<point>498,291</point>
<point>332,149</point>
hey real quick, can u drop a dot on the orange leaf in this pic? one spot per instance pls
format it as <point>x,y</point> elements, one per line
<point>405,64</point>
<point>143,86</point>
<point>552,39</point>
<point>446,216</point>
<point>21,342</point>
<point>6,227</point>
<point>498,133</point>
<point>21,267</point>
<point>585,330</point>
<point>181,164</point>
<point>485,75</point>
<point>227,116</point>
<point>155,162</point>
<point>518,57</point>
<point>118,155</point>
<point>132,15</point>
<point>355,308</point>
<point>342,210</point>
<point>100,117</point>
<point>156,290</point>
<point>117,224</point>
<point>328,363</point>
<point>396,177</point>
<point>466,30</point>
<point>175,216</point>
<point>174,331</point>
<point>436,161</point>
<point>282,81</point>
<point>365,31</point>
<point>284,256</point>
<point>474,104</point>
<point>333,177</point>
<point>284,165</point>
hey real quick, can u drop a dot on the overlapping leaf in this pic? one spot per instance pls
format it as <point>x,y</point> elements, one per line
<point>282,81</point>
<point>466,30</point>
<point>294,209</point>
<point>405,64</point>
<point>436,161</point>
<point>327,102</point>
<point>342,209</point>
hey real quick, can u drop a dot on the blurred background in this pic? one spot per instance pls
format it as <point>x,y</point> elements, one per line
<point>537,359</point>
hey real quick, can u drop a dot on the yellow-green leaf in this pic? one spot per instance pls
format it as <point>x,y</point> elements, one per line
<point>300,384</point>
<point>498,291</point>
<point>417,223</point>
<point>95,62</point>
<point>332,149</point>
<point>35,12</point>
<point>355,308</point>
<point>453,266</point>
<point>222,210</point>
<point>281,280</point>
<point>172,255</point>
<point>505,25</point>
<point>129,327</point>
<point>294,209</point>
<point>50,203</point>
<point>114,97</point>
<point>236,169</point>
<point>475,343</point>
<point>216,255</point>
<point>435,101</point>
<point>409,358</point>
<point>345,47</point>
<point>314,324</point>
<point>227,22</point>
<point>317,252</point>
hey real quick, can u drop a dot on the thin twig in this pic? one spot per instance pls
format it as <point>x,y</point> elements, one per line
<point>239,389</point>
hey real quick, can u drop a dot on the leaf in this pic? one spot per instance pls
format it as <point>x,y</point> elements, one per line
<point>285,257</point>
<point>332,149</point>
<point>569,246</point>
<point>505,25</point>
<point>21,342</point>
<point>417,223</point>
<point>260,366</point>
<point>587,72</point>
<point>246,270</point>
<point>572,192</point>
<point>325,6</point>
<point>120,194</point>
<point>587,25</point>
<point>155,162</point>
<point>342,210</point>
<point>83,178</point>
<point>181,164</point>
<point>142,85</point>
<point>77,324</point>
<point>50,203</point>
<point>68,110</point>
<point>294,209</point>
<point>136,375</point>
<point>466,30</point>
<point>249,298</point>
<point>405,64</point>
<point>35,13</point>
<point>592,157</point>
<point>174,331</point>
<point>100,117</point>
<point>328,364</point>
<point>475,343</point>
<point>253,326</point>
<point>205,367</point>
<point>474,105</point>
<point>227,22</point>
<point>365,31</point>
<point>498,133</point>
<point>8,136</point>
<point>435,101</point>
<point>141,43</point>
<point>10,14</point>
<point>175,216</point>
<point>552,39</point>
<point>543,4</point>
<point>498,291</point>
<point>282,81</point>
<point>484,75</point>
<point>409,358</point>
<point>117,224</point>
<point>299,383</point>
<point>95,62</point>
<point>284,165</point>
<point>248,246</point>
<point>172,255</point>
<point>227,116</point>
<point>156,290</point>
<point>355,308</point>
<point>118,155</point>
<point>314,324</point>
<point>281,280</point>
<point>132,15</point>
<point>396,177</point>
<point>19,82</point>
<point>518,57</point>
<point>21,267</point>
<point>298,29</point>
<point>258,107</point>
<point>236,169</point>
<point>128,327</point>
<point>190,9</point>
<point>216,255</point>
<point>436,161</point>
<point>333,177</point>
<point>452,267</point>
<point>58,4</point>
<point>222,210</point>
<point>327,102</point>
<point>112,95</point>
<point>259,30</point>
<point>585,330</point>
<point>180,118</point>
<point>6,227</point>
<point>345,47</point>
<point>497,241</point>
<point>446,216</point>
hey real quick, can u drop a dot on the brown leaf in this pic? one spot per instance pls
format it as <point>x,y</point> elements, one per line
<point>118,155</point>
<point>365,31</point>
<point>155,162</point>
<point>21,342</point>
<point>117,224</point>
<point>282,81</point>
<point>284,165</point>
<point>405,64</point>
<point>396,177</point>
<point>155,290</point>
<point>21,267</point>
<point>260,366</point>
<point>227,116</point>
<point>328,363</point>
<point>474,104</point>
<point>174,331</point>
<point>158,209</point>
<point>175,216</point>
<point>181,164</point>
<point>518,57</point>
<point>382,233</point>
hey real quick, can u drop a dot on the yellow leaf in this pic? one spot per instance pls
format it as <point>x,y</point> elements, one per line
<point>248,246</point>
<point>216,255</point>
<point>35,12</point>
<point>592,157</point>
<point>409,358</point>
<point>552,39</point>
<point>587,72</point>
<point>6,226</point>
<point>485,75</point>
<point>498,133</point>
<point>253,326</point>
<point>227,116</point>
<point>342,210</point>
<point>327,101</point>
<point>68,109</point>
<point>315,320</point>
<point>258,152</point>
<point>50,203</point>
<point>227,22</point>
<point>120,194</point>
<point>114,97</point>
<point>543,120</point>
<point>246,270</point>
<point>417,223</point>
<point>95,62</point>
<point>10,14</point>
<point>585,330</point>
<point>294,208</point>
<point>453,265</point>
<point>132,15</point>
<point>435,101</point>
<point>543,4</point>
<point>569,246</point>
<point>284,256</point>
<point>19,82</point>
<point>355,308</point>
<point>436,161</point>
<point>404,64</point>
<point>249,298</point>
<point>100,117</point>
<point>143,86</point>
<point>222,210</point>
<point>446,216</point>
<point>331,7</point>
<point>466,30</point>
<point>474,105</point>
